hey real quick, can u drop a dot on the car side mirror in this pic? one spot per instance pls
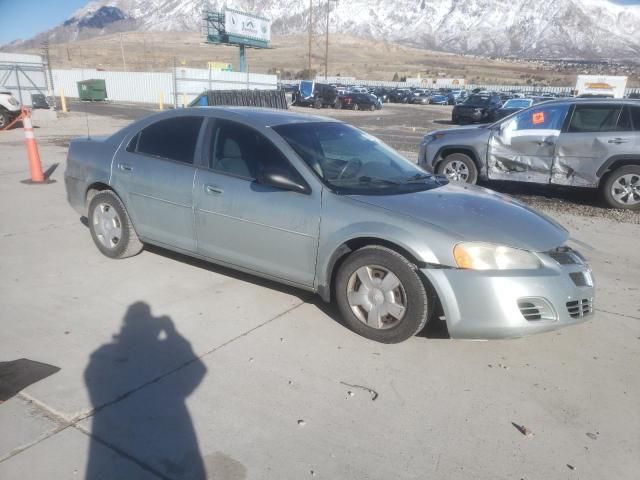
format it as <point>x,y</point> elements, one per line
<point>281,178</point>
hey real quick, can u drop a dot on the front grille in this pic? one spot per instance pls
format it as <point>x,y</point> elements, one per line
<point>580,308</point>
<point>535,309</point>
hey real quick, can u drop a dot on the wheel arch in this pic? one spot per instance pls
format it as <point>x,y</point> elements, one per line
<point>615,162</point>
<point>339,255</point>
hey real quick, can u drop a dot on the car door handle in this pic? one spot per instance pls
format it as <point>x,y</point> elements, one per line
<point>546,142</point>
<point>213,190</point>
<point>618,140</point>
<point>125,167</point>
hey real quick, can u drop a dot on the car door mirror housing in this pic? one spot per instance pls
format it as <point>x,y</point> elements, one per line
<point>282,179</point>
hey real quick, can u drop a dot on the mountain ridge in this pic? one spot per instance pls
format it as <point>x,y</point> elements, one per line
<point>586,29</point>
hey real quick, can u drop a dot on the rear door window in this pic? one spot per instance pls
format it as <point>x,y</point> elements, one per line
<point>172,139</point>
<point>595,118</point>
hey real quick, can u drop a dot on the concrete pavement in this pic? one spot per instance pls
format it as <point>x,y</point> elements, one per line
<point>174,368</point>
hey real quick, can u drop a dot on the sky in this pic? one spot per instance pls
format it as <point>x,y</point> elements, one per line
<point>25,18</point>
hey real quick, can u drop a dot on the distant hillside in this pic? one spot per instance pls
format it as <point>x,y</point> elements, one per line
<point>588,29</point>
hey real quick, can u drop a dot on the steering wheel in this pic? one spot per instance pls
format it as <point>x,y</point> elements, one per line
<point>353,163</point>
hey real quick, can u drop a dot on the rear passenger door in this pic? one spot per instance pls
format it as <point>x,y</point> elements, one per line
<point>154,174</point>
<point>595,133</point>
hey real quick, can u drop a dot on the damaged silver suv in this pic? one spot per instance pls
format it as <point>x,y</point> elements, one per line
<point>575,142</point>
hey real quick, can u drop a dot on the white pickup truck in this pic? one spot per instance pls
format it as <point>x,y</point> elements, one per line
<point>9,108</point>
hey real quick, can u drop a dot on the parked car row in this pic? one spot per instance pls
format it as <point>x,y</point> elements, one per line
<point>320,95</point>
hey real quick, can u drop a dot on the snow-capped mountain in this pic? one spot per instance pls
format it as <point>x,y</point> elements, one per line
<point>545,28</point>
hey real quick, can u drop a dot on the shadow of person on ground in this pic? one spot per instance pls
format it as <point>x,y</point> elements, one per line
<point>139,395</point>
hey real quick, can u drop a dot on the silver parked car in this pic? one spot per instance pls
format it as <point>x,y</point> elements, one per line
<point>574,142</point>
<point>320,205</point>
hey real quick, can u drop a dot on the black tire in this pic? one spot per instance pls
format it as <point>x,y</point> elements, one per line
<point>472,176</point>
<point>416,296</point>
<point>607,187</point>
<point>4,119</point>
<point>372,108</point>
<point>317,104</point>
<point>128,244</point>
<point>337,105</point>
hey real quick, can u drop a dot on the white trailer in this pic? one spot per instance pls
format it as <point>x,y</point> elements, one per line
<point>601,85</point>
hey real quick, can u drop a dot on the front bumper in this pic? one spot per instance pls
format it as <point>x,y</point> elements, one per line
<point>493,304</point>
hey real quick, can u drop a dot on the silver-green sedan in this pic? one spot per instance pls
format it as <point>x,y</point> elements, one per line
<point>320,205</point>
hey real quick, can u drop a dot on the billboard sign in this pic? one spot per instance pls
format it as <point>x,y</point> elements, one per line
<point>244,25</point>
<point>601,85</point>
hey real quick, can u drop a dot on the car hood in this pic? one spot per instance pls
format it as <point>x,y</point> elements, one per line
<point>476,214</point>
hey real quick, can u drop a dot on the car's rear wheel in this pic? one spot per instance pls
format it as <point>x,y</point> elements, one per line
<point>621,189</point>
<point>372,108</point>
<point>381,296</point>
<point>459,167</point>
<point>317,104</point>
<point>111,228</point>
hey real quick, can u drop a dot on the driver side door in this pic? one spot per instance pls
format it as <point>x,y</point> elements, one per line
<point>523,147</point>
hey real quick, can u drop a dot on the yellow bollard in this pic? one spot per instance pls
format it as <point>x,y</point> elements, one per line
<point>161,101</point>
<point>184,100</point>
<point>63,100</point>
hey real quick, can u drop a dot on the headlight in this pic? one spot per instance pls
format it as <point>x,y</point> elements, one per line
<point>486,256</point>
<point>432,137</point>
<point>13,101</point>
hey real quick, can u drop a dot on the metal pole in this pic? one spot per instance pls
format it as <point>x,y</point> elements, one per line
<point>175,84</point>
<point>310,33</point>
<point>17,70</point>
<point>243,67</point>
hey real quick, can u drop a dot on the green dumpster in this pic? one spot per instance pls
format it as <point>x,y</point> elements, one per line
<point>93,89</point>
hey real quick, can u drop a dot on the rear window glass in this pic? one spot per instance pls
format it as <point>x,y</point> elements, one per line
<point>173,139</point>
<point>595,118</point>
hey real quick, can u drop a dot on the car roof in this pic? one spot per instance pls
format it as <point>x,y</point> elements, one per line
<point>270,117</point>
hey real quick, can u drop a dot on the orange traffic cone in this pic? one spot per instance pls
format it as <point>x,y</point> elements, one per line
<point>35,166</point>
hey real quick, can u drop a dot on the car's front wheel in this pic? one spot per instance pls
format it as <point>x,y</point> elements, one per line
<point>459,167</point>
<point>111,228</point>
<point>621,189</point>
<point>381,296</point>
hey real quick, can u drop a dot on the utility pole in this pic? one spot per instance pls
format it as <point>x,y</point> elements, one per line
<point>310,33</point>
<point>326,46</point>
<point>124,64</point>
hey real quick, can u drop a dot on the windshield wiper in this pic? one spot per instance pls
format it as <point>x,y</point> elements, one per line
<point>418,177</point>
<point>384,181</point>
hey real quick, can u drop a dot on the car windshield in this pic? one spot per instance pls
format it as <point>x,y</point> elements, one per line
<point>477,100</point>
<point>351,161</point>
<point>518,103</point>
